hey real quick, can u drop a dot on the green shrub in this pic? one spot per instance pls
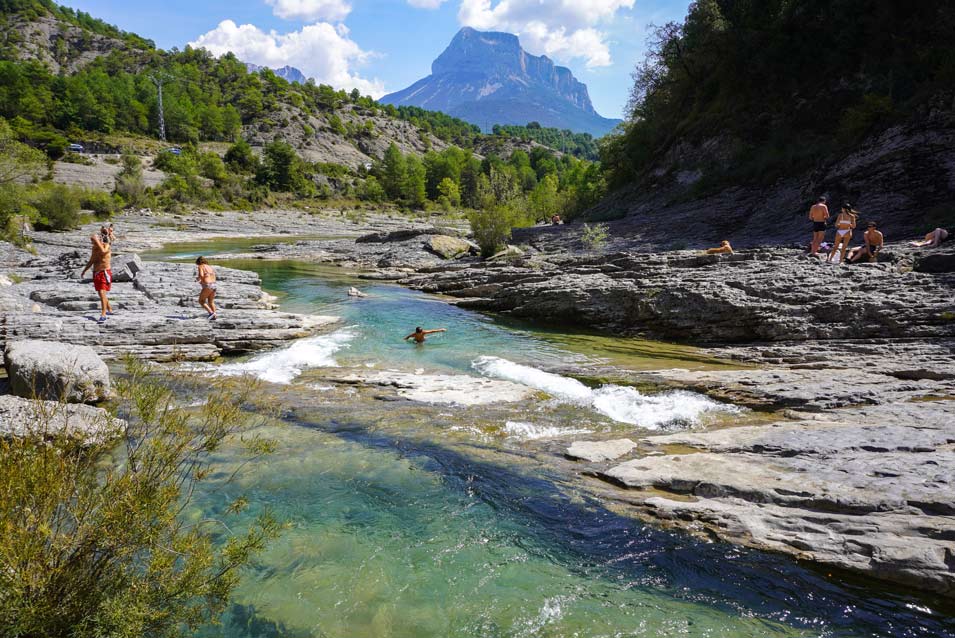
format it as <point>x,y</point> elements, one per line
<point>93,537</point>
<point>595,237</point>
<point>492,226</point>
<point>129,184</point>
<point>240,157</point>
<point>371,190</point>
<point>335,124</point>
<point>101,203</point>
<point>76,158</point>
<point>58,207</point>
<point>212,167</point>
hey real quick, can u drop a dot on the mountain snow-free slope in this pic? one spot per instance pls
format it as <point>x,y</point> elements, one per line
<point>486,78</point>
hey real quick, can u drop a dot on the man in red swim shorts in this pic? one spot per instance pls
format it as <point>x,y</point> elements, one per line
<point>100,262</point>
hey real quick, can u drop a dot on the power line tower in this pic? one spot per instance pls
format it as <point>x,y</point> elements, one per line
<point>159,79</point>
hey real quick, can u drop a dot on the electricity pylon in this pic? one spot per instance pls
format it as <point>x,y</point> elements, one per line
<point>159,79</point>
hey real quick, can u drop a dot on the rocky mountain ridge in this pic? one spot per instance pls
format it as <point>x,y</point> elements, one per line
<point>56,44</point>
<point>487,78</point>
<point>286,72</point>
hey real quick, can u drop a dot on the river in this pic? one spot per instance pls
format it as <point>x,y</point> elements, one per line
<point>415,520</point>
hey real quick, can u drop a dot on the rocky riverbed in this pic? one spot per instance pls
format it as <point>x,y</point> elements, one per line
<point>858,363</point>
<point>854,366</point>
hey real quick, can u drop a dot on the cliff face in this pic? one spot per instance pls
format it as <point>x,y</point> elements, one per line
<point>902,177</point>
<point>487,78</point>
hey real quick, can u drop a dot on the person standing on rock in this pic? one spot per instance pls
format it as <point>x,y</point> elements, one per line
<point>206,276</point>
<point>845,222</point>
<point>419,335</point>
<point>100,262</point>
<point>818,215</point>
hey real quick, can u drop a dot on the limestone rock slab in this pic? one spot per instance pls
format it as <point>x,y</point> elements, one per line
<point>56,371</point>
<point>599,451</point>
<point>26,417</point>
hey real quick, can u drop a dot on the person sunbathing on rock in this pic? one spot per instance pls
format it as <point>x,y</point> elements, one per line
<point>100,262</point>
<point>419,335</point>
<point>724,249</point>
<point>934,239</point>
<point>873,244</point>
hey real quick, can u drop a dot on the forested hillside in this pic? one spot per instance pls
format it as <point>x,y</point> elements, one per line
<point>783,83</point>
<point>746,111</point>
<point>248,139</point>
<point>582,145</point>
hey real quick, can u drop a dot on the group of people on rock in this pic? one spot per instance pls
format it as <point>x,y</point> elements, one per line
<point>845,223</point>
<point>100,262</point>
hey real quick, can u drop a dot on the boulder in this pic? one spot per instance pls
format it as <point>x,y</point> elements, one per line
<point>25,417</point>
<point>597,451</point>
<point>56,371</point>
<point>447,247</point>
<point>127,268</point>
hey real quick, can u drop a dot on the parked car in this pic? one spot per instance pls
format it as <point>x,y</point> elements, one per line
<point>175,150</point>
<point>76,148</point>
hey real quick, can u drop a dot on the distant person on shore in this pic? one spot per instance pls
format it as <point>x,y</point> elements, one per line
<point>206,276</point>
<point>873,245</point>
<point>419,335</point>
<point>818,215</point>
<point>724,249</point>
<point>845,222</point>
<point>101,263</point>
<point>556,220</point>
<point>934,239</point>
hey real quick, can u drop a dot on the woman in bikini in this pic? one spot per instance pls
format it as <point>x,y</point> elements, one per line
<point>206,277</point>
<point>845,222</point>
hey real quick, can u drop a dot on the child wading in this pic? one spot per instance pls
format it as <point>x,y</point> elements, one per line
<point>206,277</point>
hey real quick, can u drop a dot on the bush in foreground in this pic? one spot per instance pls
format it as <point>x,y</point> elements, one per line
<point>92,538</point>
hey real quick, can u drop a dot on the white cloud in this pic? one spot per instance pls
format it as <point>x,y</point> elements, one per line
<point>310,10</point>
<point>426,4</point>
<point>320,50</point>
<point>562,29</point>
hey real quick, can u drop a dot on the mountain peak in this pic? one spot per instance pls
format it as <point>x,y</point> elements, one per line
<point>486,77</point>
<point>287,72</point>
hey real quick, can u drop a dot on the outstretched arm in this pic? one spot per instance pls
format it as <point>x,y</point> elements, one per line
<point>431,332</point>
<point>408,337</point>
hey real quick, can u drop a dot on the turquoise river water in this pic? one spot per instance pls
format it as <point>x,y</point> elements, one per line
<point>413,520</point>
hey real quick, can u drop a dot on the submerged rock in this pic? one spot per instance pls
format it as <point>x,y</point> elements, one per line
<point>597,451</point>
<point>440,388</point>
<point>56,371</point>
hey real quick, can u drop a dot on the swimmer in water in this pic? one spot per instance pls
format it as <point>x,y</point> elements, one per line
<point>418,335</point>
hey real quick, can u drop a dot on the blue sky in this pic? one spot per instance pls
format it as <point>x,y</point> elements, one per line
<point>384,45</point>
